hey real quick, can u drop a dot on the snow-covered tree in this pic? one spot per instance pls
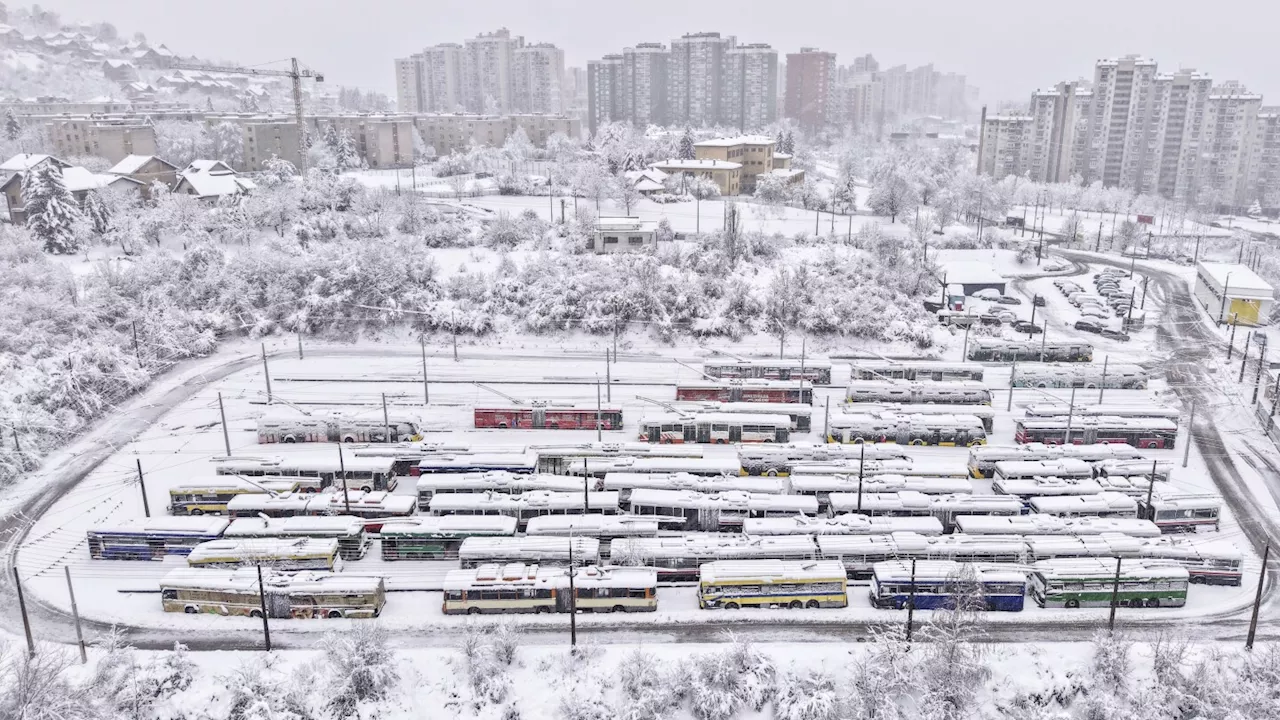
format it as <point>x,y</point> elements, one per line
<point>772,189</point>
<point>810,695</point>
<point>788,143</point>
<point>725,682</point>
<point>226,144</point>
<point>97,213</point>
<point>1255,210</point>
<point>277,171</point>
<point>362,668</point>
<point>624,192</point>
<point>686,145</point>
<point>956,641</point>
<point>891,195</point>
<point>36,687</point>
<point>664,233</point>
<point>702,188</point>
<point>455,163</point>
<point>518,148</point>
<point>559,147</point>
<point>11,127</point>
<point>52,212</point>
<point>345,153</point>
<point>180,141</point>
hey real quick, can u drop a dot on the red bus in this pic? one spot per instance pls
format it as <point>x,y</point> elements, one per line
<point>550,418</point>
<point>755,391</point>
<point>1142,433</point>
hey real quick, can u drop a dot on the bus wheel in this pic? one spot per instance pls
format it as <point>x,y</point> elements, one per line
<point>1073,603</point>
<point>731,606</point>
<point>473,611</point>
<point>1153,602</point>
<point>348,439</point>
<point>290,440</point>
<point>771,472</point>
<point>366,488</point>
<point>197,511</point>
<point>859,441</point>
<point>811,604</point>
<point>618,608</point>
<point>255,613</point>
<point>795,605</point>
<point>190,610</point>
<point>917,442</point>
<point>1197,580</point>
<point>334,614</point>
<point>541,609</point>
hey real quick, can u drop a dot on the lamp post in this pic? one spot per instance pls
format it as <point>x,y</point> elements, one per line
<point>1222,309</point>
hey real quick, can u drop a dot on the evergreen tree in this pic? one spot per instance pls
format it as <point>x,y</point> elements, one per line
<point>686,145</point>
<point>1255,209</point>
<point>11,127</point>
<point>345,152</point>
<point>97,212</point>
<point>789,144</point>
<point>779,141</point>
<point>51,210</point>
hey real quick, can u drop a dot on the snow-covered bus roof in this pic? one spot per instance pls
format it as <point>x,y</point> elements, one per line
<point>594,525</point>
<point>695,465</point>
<point>712,545</point>
<point>246,580</point>
<point>533,500</point>
<point>1039,524</point>
<point>772,571</point>
<point>1059,569</point>
<point>879,365</point>
<point>622,449</point>
<point>1110,409</point>
<point>261,502</point>
<point>1100,545</point>
<point>797,363</point>
<point>495,480</point>
<point>235,484</point>
<point>894,419</point>
<point>818,452</point>
<point>1169,499</point>
<point>1099,421</point>
<point>935,386</point>
<point>1028,487</point>
<point>900,571</point>
<point>180,525</point>
<point>529,548</point>
<point>749,383</point>
<point>699,483</point>
<point>730,500</point>
<point>1060,467</point>
<point>810,484</point>
<point>303,462</point>
<point>450,525</point>
<point>462,461</point>
<point>881,501</point>
<point>984,412</point>
<point>915,544</point>
<point>1102,502</point>
<point>376,501</point>
<point>532,576</point>
<point>265,549</point>
<point>846,524</point>
<point>322,525</point>
<point>718,418</point>
<point>1190,548</point>
<point>933,467</point>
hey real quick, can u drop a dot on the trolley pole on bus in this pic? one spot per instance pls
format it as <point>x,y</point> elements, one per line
<point>142,485</point>
<point>911,600</point>
<point>1102,386</point>
<point>1013,370</point>
<point>826,422</point>
<point>75,614</point>
<point>266,372</point>
<point>226,439</point>
<point>599,423</point>
<point>1257,599</point>
<point>1115,598</point>
<point>22,607</point>
<point>262,606</point>
<point>573,603</point>
<point>426,391</point>
<point>342,473</point>
<point>608,373</point>
<point>862,461</point>
<point>586,493</point>
<point>1186,450</point>
<point>1071,411</point>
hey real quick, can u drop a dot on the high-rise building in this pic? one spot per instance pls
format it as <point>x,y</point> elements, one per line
<point>537,84</point>
<point>1055,118</point>
<point>749,99</point>
<point>605,102</point>
<point>430,81</point>
<point>1265,166</point>
<point>859,101</point>
<point>487,71</point>
<point>695,74</point>
<point>1005,145</point>
<point>1181,100</point>
<point>409,84</point>
<point>866,63</point>
<point>645,84</point>
<point>1123,107</point>
<point>1231,119</point>
<point>811,78</point>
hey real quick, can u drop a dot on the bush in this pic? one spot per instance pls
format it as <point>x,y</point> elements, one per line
<point>361,667</point>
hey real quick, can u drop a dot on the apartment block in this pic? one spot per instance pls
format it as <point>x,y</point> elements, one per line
<point>1265,165</point>
<point>538,79</point>
<point>1123,109</point>
<point>859,102</point>
<point>266,139</point>
<point>1006,142</point>
<point>695,77</point>
<point>91,136</point>
<point>449,132</point>
<point>605,98</point>
<point>1055,119</point>
<point>487,71</point>
<point>1182,100</point>
<point>1230,121</point>
<point>430,81</point>
<point>644,84</point>
<point>754,154</point>
<point>409,83</point>
<point>749,100</point>
<point>811,78</point>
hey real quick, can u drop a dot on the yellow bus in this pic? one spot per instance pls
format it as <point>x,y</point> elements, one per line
<point>520,588</point>
<point>732,584</point>
<point>296,595</point>
<point>285,554</point>
<point>210,497</point>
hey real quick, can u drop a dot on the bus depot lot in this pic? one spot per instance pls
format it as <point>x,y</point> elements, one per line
<point>179,449</point>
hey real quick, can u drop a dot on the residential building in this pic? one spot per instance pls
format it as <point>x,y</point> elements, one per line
<point>1123,108</point>
<point>859,103</point>
<point>120,71</point>
<point>147,169</point>
<point>102,138</point>
<point>77,180</point>
<point>1230,121</point>
<point>1006,141</point>
<point>1265,165</point>
<point>537,84</point>
<point>1054,120</point>
<point>487,71</point>
<point>866,63</point>
<point>695,78</point>
<point>409,89</point>
<point>442,78</point>
<point>449,132</point>
<point>644,84</point>
<point>1181,101</point>
<point>726,175</point>
<point>811,76</point>
<point>605,100</point>
<point>212,180</point>
<point>754,154</point>
<point>749,78</point>
<point>382,141</point>
<point>622,234</point>
<point>264,139</point>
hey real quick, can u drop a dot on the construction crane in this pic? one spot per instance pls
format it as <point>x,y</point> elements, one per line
<point>295,74</point>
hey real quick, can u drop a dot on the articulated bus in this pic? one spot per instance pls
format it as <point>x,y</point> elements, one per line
<point>1091,582</point>
<point>821,486</point>
<point>624,483</point>
<point>360,473</point>
<point>701,466</point>
<point>944,507</point>
<point>1208,562</point>
<point>336,428</point>
<point>287,595</point>
<point>1037,524</point>
<point>733,584</point>
<point>982,460</point>
<point>210,497</point>
<point>801,415</point>
<point>1112,376</point>
<point>519,588</point>
<point>1103,504</point>
<point>679,558</point>
<point>860,553</point>
<point>717,428</point>
<point>746,391</point>
<point>1144,433</point>
<point>985,413</point>
<point>1000,350</point>
<point>847,524</point>
<point>686,510</point>
<point>498,481</point>
<point>916,370</point>
<point>778,459</point>
<point>939,584</point>
<point>405,457</point>
<point>554,551</point>
<point>283,554</point>
<point>940,430</point>
<point>152,538</point>
<point>373,506</point>
<point>931,468</point>
<point>438,538</point>
<point>525,506</point>
<point>1148,410</point>
<point>560,459</point>
<point>549,418</point>
<point>1178,511</point>
<point>348,531</point>
<point>904,392</point>
<point>810,369</point>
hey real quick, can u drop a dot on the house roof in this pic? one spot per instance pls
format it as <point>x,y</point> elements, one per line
<point>215,185</point>
<point>210,167</point>
<point>739,140</point>
<point>969,272</point>
<point>25,161</point>
<point>622,224</point>
<point>647,185</point>
<point>1236,278</point>
<point>78,179</point>
<point>678,164</point>
<point>134,163</point>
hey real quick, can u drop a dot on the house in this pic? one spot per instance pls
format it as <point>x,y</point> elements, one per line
<point>77,180</point>
<point>212,179</point>
<point>726,175</point>
<point>971,276</point>
<point>622,234</point>
<point>23,162</point>
<point>1233,293</point>
<point>789,176</point>
<point>120,71</point>
<point>647,182</point>
<point>147,169</point>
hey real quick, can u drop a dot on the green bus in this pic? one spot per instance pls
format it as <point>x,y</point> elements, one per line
<point>1090,582</point>
<point>438,538</point>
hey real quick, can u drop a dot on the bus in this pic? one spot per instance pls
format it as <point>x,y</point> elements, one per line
<point>931,468</point>
<point>943,507</point>
<point>283,554</point>
<point>904,392</point>
<point>438,538</point>
<point>348,531</point>
<point>1179,511</point>
<point>847,524</point>
<point>336,428</point>
<point>1135,485</point>
<point>1000,350</point>
<point>701,466</point>
<point>287,595</point>
<point>1143,433</point>
<point>985,413</point>
<point>733,584</point>
<point>746,391</point>
<point>1141,467</point>
<point>210,497</point>
<point>860,553</point>
<point>717,428</point>
<point>624,483</point>
<point>801,415</point>
<point>687,510</point>
<point>525,506</point>
<point>540,416</point>
<point>560,459</point>
<point>523,463</point>
<point>360,473</point>
<point>554,551</point>
<point>372,505</point>
<point>152,538</point>
<point>774,460</point>
<point>1064,468</point>
<point>498,481</point>
<point>1209,562</point>
<point>813,370</point>
<point>277,506</point>
<point>983,459</point>
<point>405,457</point>
<point>679,558</point>
<point>916,370</point>
<point>1091,582</point>
<point>1104,545</point>
<point>1147,410</point>
<point>940,430</point>
<point>821,486</point>
<point>519,588</point>
<point>1103,504</point>
<point>601,527</point>
<point>940,584</point>
<point>1112,376</point>
<point>1027,488</point>
<point>1037,524</point>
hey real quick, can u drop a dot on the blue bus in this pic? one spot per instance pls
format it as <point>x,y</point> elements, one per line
<point>519,463</point>
<point>153,538</point>
<point>936,583</point>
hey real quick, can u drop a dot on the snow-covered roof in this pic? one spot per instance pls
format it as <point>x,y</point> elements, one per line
<point>25,161</point>
<point>781,156</point>
<point>739,140</point>
<point>134,163</point>
<point>677,164</point>
<point>1235,277</point>
<point>624,224</point>
<point>119,63</point>
<point>652,174</point>
<point>785,173</point>
<point>647,185</point>
<point>78,179</point>
<point>212,167</point>
<point>969,271</point>
<point>216,185</point>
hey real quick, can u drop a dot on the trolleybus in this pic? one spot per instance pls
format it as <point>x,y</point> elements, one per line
<point>1103,504</point>
<point>560,459</point>
<point>813,370</point>
<point>717,428</point>
<point>904,392</point>
<point>336,428</point>
<point>778,459</point>
<point>1145,433</point>
<point>940,430</point>
<point>152,538</point>
<point>687,510</point>
<point>1112,376</point>
<point>821,486</point>
<point>624,483</point>
<point>859,553</point>
<point>942,584</point>
<point>550,551</point>
<point>286,595</point>
<point>520,588</point>
<point>549,418</point>
<point>985,413</point>
<point>1037,524</point>
<point>284,554</point>
<point>439,538</point>
<point>847,524</point>
<point>1091,582</point>
<point>1000,350</point>
<point>915,370</point>
<point>367,473</point>
<point>525,506</point>
<point>678,558</point>
<point>348,531</point>
<point>210,497</point>
<point>1178,511</point>
<point>746,391</point>
<point>498,481</point>
<point>702,466</point>
<point>733,584</point>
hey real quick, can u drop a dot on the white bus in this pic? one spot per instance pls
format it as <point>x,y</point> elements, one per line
<point>678,558</point>
<point>1001,350</point>
<point>847,524</point>
<point>943,507</point>
<point>916,370</point>
<point>801,414</point>
<point>551,551</point>
<point>1036,524</point>
<point>778,459</point>
<point>734,584</point>
<point>498,481</point>
<point>821,486</point>
<point>687,510</point>
<point>1117,376</point>
<point>1210,562</point>
<point>940,430</point>
<point>480,462</point>
<point>520,588</point>
<point>601,527</point>
<point>1112,545</point>
<point>859,553</point>
<point>366,473</point>
<point>524,506</point>
<point>336,428</point>
<point>962,392</point>
<point>1135,485</point>
<point>1091,582</point>
<point>561,459</point>
<point>814,370</point>
<point>1145,433</point>
<point>1027,488</point>
<point>705,467</point>
<point>985,413</point>
<point>1179,511</point>
<point>624,483</point>
<point>1140,410</point>
<point>285,554</point>
<point>407,456</point>
<point>1103,504</point>
<point>286,595</point>
<point>982,460</point>
<point>1064,468</point>
<point>438,538</point>
<point>348,531</point>
<point>715,428</point>
<point>1135,467</point>
<point>372,505</point>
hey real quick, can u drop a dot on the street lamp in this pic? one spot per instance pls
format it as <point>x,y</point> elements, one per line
<point>1222,310</point>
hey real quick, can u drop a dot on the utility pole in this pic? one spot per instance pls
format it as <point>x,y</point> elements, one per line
<point>1275,395</point>
<point>862,462</point>
<point>146,508</point>
<point>226,439</point>
<point>1257,598</point>
<point>266,372</point>
<point>1044,341</point>
<point>1115,598</point>
<point>1231,344</point>
<point>75,614</point>
<point>262,606</point>
<point>454,327</point>
<point>22,607</point>
<point>426,391</point>
<point>300,346</point>
<point>1186,450</point>
<point>965,352</point>
<point>573,603</point>
<point>608,375</point>
<point>386,420</point>
<point>586,496</point>
<point>137,352</point>
<point>1071,412</point>
<point>342,472</point>
<point>562,204</point>
<point>1102,386</point>
<point>911,600</point>
<point>1244,355</point>
<point>1151,490</point>
<point>1013,372</point>
<point>826,422</point>
<point>1262,360</point>
<point>599,423</point>
<point>1146,279</point>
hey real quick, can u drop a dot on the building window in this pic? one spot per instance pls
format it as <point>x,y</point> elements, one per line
<point>610,240</point>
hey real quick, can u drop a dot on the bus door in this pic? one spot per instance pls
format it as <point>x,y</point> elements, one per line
<point>690,433</point>
<point>539,417</point>
<point>735,433</point>
<point>655,433</point>
<point>704,432</point>
<point>781,434</point>
<point>278,605</point>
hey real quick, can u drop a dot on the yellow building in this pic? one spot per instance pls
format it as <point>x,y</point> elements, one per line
<point>725,174</point>
<point>755,153</point>
<point>1233,293</point>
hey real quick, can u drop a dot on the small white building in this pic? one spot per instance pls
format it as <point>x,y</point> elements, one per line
<point>1233,293</point>
<point>622,234</point>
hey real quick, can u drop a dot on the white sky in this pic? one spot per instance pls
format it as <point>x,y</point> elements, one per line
<point>1006,47</point>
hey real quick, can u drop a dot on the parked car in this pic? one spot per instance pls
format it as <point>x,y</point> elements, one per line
<point>1087,326</point>
<point>1114,335</point>
<point>1069,288</point>
<point>1094,311</point>
<point>1008,300</point>
<point>1024,326</point>
<point>1004,315</point>
<point>990,319</point>
<point>1038,301</point>
<point>933,306</point>
<point>987,294</point>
